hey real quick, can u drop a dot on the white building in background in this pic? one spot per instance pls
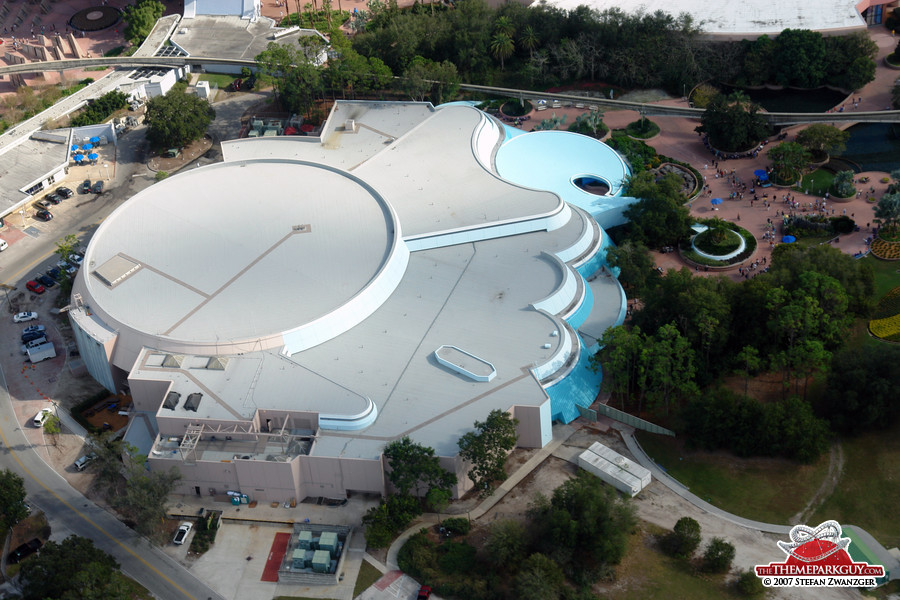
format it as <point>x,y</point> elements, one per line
<point>281,316</point>
<point>246,9</point>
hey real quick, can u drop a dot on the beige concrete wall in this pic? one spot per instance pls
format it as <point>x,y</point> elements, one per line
<point>529,428</point>
<point>269,481</point>
<point>332,477</point>
<point>149,395</point>
<point>220,476</point>
<point>297,419</point>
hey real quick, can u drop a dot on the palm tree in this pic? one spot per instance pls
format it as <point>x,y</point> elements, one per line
<point>502,46</point>
<point>504,25</point>
<point>529,39</point>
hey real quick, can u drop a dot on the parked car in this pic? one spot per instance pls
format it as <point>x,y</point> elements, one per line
<point>82,463</point>
<point>24,317</point>
<point>3,245</point>
<point>75,259</point>
<point>24,551</point>
<point>64,192</point>
<point>54,198</point>
<point>41,417</point>
<point>45,280</point>
<point>35,287</point>
<point>34,329</point>
<point>67,267</point>
<point>35,335</point>
<point>43,203</point>
<point>183,530</point>
<point>43,214</point>
<point>86,186</point>
<point>424,593</point>
<point>98,187</point>
<point>55,274</point>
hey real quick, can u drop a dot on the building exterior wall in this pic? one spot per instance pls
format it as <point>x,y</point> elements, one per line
<point>148,395</point>
<point>535,427</point>
<point>95,355</point>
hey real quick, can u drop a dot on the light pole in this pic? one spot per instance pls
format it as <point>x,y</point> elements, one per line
<point>106,166</point>
<point>22,212</point>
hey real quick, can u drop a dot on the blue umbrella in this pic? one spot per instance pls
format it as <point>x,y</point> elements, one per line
<point>95,140</point>
<point>788,239</point>
<point>716,201</point>
<point>87,147</point>
<point>763,177</point>
<point>79,157</point>
<point>74,148</point>
<point>760,173</point>
<point>93,156</point>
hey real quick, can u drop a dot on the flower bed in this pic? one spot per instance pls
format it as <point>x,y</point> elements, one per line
<point>689,254</point>
<point>707,243</point>
<point>886,329</point>
<point>885,250</point>
<point>889,305</point>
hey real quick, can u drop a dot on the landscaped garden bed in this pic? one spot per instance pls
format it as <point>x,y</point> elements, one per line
<point>885,323</point>
<point>885,249</point>
<point>691,255</point>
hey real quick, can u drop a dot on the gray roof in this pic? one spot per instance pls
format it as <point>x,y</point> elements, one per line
<point>25,163</point>
<point>230,36</point>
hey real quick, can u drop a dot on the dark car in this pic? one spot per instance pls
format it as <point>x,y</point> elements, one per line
<point>43,215</point>
<point>35,287</point>
<point>24,551</point>
<point>34,335</point>
<point>64,192</point>
<point>45,280</point>
<point>86,186</point>
<point>55,274</point>
<point>98,187</point>
<point>54,198</point>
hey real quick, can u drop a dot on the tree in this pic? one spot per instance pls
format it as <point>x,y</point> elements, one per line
<point>54,429</point>
<point>862,387</point>
<point>749,361</point>
<point>683,539</point>
<point>141,18</point>
<point>733,124</point>
<point>624,363</point>
<point>413,465</point>
<point>12,499</point>
<point>659,218</point>
<point>176,119</point>
<point>506,544</point>
<point>73,569</point>
<point>670,367</point>
<point>539,579</point>
<point>821,140</point>
<point>502,47</point>
<point>389,518</point>
<point>843,184</point>
<point>789,159</point>
<point>487,447</point>
<point>66,247</point>
<point>887,212</point>
<point>718,556</point>
<point>584,525</point>
<point>637,271</point>
<point>749,585</point>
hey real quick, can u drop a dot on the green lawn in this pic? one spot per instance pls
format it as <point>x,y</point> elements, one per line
<point>818,182</point>
<point>764,489</point>
<point>886,275</point>
<point>867,492</point>
<point>223,81</point>
<point>367,576</point>
<point>647,574</point>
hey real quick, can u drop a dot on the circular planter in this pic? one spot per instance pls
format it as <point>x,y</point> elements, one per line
<point>516,114</point>
<point>741,247</point>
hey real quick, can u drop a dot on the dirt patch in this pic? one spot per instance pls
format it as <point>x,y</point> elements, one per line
<point>104,415</point>
<point>189,153</point>
<point>765,387</point>
<point>835,470</point>
<point>34,526</point>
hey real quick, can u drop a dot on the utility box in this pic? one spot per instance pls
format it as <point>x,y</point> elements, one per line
<point>304,540</point>
<point>329,542</point>
<point>321,561</point>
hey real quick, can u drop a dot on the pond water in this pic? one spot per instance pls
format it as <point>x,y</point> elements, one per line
<point>787,100</point>
<point>874,147</point>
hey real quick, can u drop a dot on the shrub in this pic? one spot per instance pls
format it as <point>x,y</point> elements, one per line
<point>718,556</point>
<point>642,128</point>
<point>160,175</point>
<point>389,518</point>
<point>457,525</point>
<point>683,539</point>
<point>749,585</point>
<point>457,558</point>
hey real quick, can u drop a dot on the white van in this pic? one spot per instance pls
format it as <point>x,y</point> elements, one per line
<point>3,245</point>
<point>41,417</point>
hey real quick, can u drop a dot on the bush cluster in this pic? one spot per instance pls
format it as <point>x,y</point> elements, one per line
<point>205,532</point>
<point>99,109</point>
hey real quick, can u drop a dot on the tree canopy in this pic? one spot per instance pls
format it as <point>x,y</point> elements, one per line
<point>177,119</point>
<point>413,466</point>
<point>12,499</point>
<point>862,389</point>
<point>141,18</point>
<point>73,569</point>
<point>821,139</point>
<point>733,123</point>
<point>789,159</point>
<point>659,218</point>
<point>486,449</point>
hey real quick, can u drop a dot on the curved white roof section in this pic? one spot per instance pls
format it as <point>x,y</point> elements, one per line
<point>272,252</point>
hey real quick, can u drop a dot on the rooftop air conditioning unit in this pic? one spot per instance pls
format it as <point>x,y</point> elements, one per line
<point>350,125</point>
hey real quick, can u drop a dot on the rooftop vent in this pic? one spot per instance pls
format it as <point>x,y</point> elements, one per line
<point>193,401</point>
<point>216,363</point>
<point>116,270</point>
<point>173,361</point>
<point>172,399</point>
